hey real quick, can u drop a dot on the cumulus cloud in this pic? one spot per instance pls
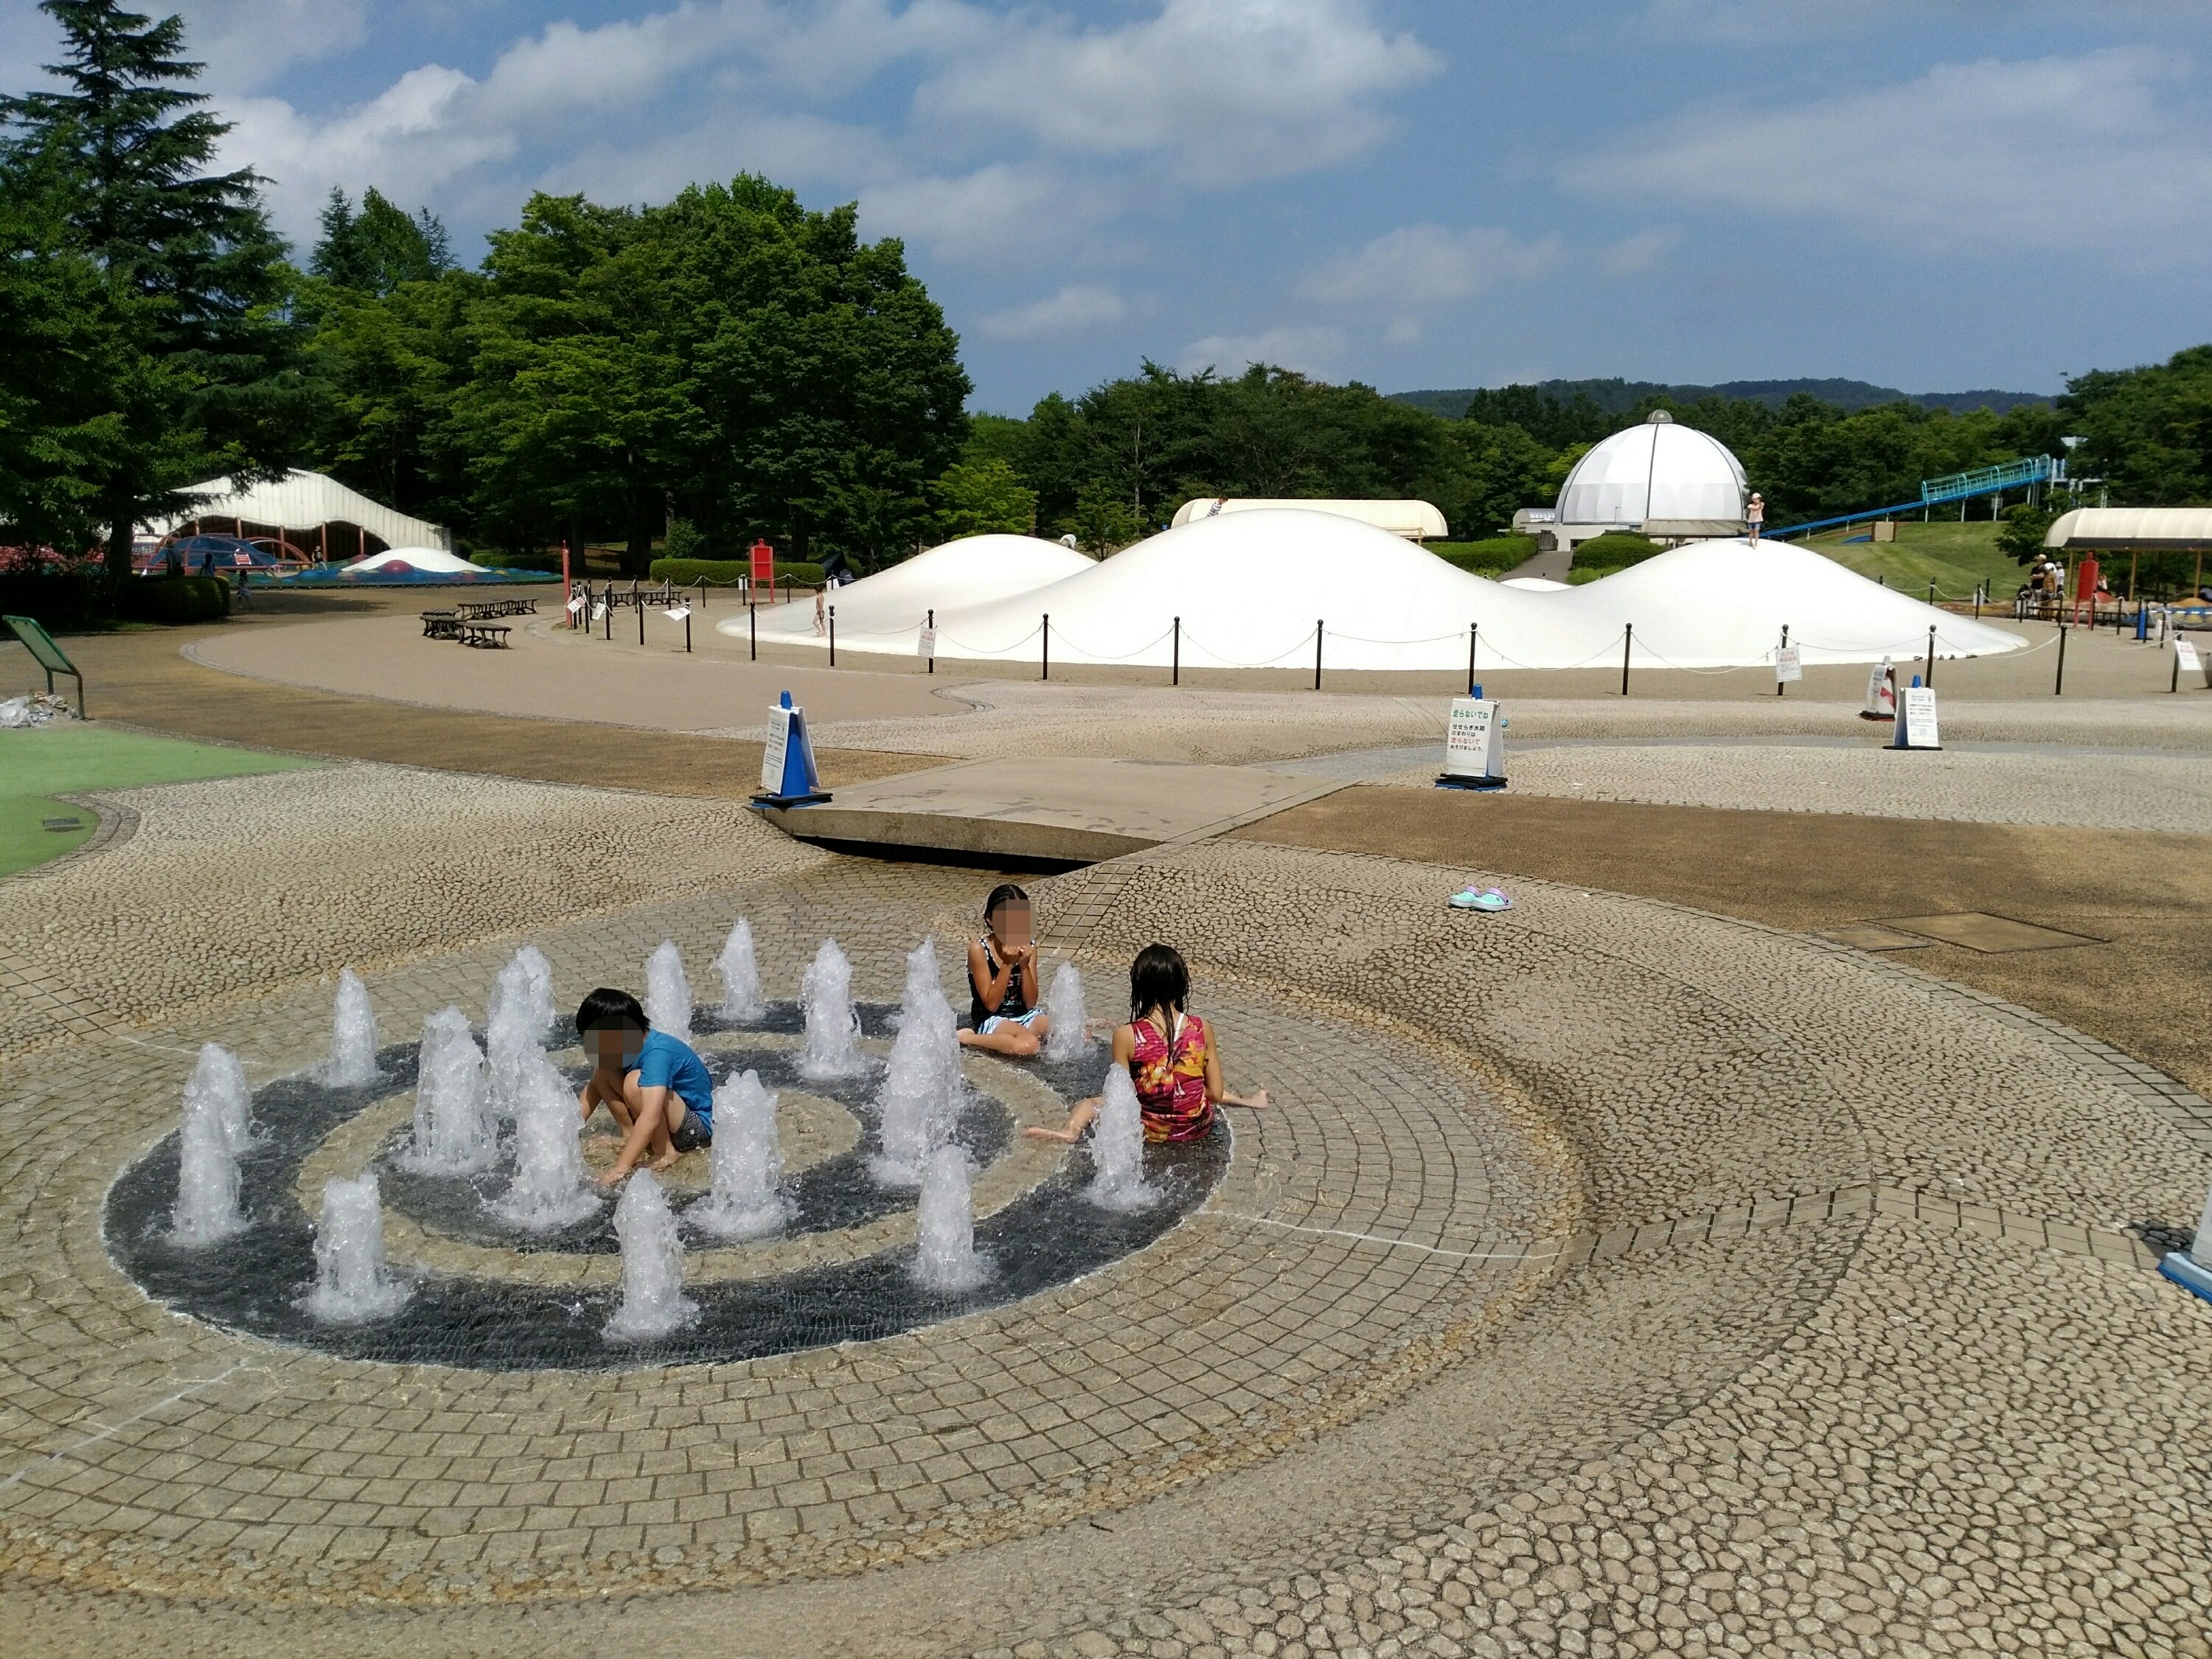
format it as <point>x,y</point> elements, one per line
<point>1310,351</point>
<point>1078,308</point>
<point>1421,267</point>
<point>2106,152</point>
<point>1228,90</point>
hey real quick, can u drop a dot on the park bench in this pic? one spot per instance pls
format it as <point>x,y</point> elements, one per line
<point>48,655</point>
<point>487,636</point>
<point>441,625</point>
<point>485,609</point>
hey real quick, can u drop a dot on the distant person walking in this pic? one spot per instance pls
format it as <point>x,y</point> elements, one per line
<point>1754,515</point>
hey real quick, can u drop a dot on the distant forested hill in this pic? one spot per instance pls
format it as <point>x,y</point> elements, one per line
<point>1616,396</point>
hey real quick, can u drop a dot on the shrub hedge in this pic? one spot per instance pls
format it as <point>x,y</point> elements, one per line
<point>176,599</point>
<point>549,563</point>
<point>727,573</point>
<point>1615,551</point>
<point>1487,558</point>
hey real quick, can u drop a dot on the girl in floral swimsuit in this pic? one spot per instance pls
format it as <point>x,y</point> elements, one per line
<point>1171,1055</point>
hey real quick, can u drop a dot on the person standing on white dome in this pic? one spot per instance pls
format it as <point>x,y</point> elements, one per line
<point>1755,514</point>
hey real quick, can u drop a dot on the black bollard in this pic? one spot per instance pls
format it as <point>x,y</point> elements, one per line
<point>832,637</point>
<point>1045,655</point>
<point>1779,682</point>
<point>1175,662</point>
<point>1627,642</point>
<point>1472,629</point>
<point>2058,686</point>
<point>752,628</point>
<point>1317,634</point>
<point>932,644</point>
<point>687,633</point>
<point>1928,678</point>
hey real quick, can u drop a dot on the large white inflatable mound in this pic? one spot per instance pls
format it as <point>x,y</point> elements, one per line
<point>426,559</point>
<point>881,612</point>
<point>1250,587</point>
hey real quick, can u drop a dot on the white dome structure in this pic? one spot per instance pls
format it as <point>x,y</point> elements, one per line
<point>893,603</point>
<point>1660,478</point>
<point>1248,589</point>
<point>426,560</point>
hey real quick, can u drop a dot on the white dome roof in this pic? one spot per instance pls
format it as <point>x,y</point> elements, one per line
<point>889,604</point>
<point>1658,473</point>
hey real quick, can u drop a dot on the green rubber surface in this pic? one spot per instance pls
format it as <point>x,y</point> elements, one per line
<point>70,756</point>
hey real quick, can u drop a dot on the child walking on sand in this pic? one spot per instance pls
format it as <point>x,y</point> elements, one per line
<point>1172,1057</point>
<point>1002,980</point>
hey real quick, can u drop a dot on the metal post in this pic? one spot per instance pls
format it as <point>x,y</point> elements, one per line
<point>1175,667</point>
<point>1627,641</point>
<point>2175,684</point>
<point>1471,629</point>
<point>752,628</point>
<point>687,633</point>
<point>1780,684</point>
<point>832,637</point>
<point>2058,686</point>
<point>1046,655</point>
<point>932,648</point>
<point>610,616</point>
<point>1317,633</point>
<point>1931,592</point>
<point>1928,678</point>
<point>1978,591</point>
<point>640,604</point>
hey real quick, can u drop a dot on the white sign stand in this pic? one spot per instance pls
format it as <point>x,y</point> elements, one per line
<point>2185,652</point>
<point>925,644</point>
<point>1474,745</point>
<point>1788,664</point>
<point>1916,719</point>
<point>676,612</point>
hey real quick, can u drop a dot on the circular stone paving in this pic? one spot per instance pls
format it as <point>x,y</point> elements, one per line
<point>499,1297</point>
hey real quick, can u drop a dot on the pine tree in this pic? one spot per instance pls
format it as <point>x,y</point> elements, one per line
<point>191,375</point>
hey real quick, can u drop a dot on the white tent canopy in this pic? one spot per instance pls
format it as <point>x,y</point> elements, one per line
<point>2152,529</point>
<point>1250,588</point>
<point>426,559</point>
<point>301,501</point>
<point>1415,520</point>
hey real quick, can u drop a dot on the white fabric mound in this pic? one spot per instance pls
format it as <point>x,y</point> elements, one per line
<point>1249,587</point>
<point>419,558</point>
<point>882,612</point>
<point>1535,584</point>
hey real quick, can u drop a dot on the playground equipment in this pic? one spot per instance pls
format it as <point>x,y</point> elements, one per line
<point>1961,486</point>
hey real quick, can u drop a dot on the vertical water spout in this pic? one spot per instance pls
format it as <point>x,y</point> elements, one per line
<point>453,1131</point>
<point>1066,1039</point>
<point>652,1300</point>
<point>747,1199</point>
<point>831,1048</point>
<point>1117,1148</point>
<point>548,1188</point>
<point>352,1062</point>
<point>217,1125</point>
<point>668,993</point>
<point>516,1023</point>
<point>920,1100</point>
<point>742,1000</point>
<point>351,1284</point>
<point>946,1258</point>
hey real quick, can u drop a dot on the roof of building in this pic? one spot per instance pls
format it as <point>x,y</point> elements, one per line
<point>301,501</point>
<point>2146,527</point>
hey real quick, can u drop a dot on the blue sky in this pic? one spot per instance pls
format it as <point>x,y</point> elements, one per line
<point>1935,195</point>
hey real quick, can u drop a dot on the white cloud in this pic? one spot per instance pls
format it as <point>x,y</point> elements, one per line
<point>1078,308</point>
<point>1310,351</point>
<point>1639,252</point>
<point>1422,267</point>
<point>1229,90</point>
<point>2109,152</point>
<point>1006,212</point>
<point>245,42</point>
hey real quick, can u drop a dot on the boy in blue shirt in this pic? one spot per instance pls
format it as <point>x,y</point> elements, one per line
<point>654,1086</point>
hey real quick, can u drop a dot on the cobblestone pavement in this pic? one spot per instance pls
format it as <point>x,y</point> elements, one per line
<point>1607,1277</point>
<point>2087,788</point>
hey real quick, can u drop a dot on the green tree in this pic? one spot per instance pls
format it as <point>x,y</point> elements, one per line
<point>380,247</point>
<point>2147,431</point>
<point>982,498</point>
<point>2022,535</point>
<point>185,343</point>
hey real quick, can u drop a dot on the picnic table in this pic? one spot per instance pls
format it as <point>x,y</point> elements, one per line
<point>485,609</point>
<point>441,625</point>
<point>487,636</point>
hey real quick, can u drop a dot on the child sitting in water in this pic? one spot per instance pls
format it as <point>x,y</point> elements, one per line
<point>1172,1057</point>
<point>652,1084</point>
<point>1002,980</point>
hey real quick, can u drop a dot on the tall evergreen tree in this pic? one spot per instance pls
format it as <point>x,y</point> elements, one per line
<point>380,247</point>
<point>190,377</point>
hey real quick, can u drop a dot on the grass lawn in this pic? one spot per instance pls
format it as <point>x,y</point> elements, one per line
<point>1956,557</point>
<point>67,756</point>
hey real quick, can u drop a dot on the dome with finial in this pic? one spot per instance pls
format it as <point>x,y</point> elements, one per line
<point>1660,477</point>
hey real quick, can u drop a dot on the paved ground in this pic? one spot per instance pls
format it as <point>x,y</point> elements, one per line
<point>1609,1276</point>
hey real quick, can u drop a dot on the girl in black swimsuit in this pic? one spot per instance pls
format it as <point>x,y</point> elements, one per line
<point>1002,980</point>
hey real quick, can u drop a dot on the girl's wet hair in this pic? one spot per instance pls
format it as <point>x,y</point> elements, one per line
<point>1158,979</point>
<point>1003,894</point>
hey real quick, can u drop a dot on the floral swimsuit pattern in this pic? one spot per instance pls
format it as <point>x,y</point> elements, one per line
<point>1170,1079</point>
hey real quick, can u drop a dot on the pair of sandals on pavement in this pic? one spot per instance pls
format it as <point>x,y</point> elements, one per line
<point>1472,898</point>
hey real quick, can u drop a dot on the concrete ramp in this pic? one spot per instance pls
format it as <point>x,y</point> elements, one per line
<point>1053,812</point>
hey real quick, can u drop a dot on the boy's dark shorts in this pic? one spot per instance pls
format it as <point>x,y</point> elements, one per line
<point>691,1134</point>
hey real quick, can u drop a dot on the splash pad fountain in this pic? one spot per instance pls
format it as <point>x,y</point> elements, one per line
<point>668,992</point>
<point>468,1172</point>
<point>352,1062</point>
